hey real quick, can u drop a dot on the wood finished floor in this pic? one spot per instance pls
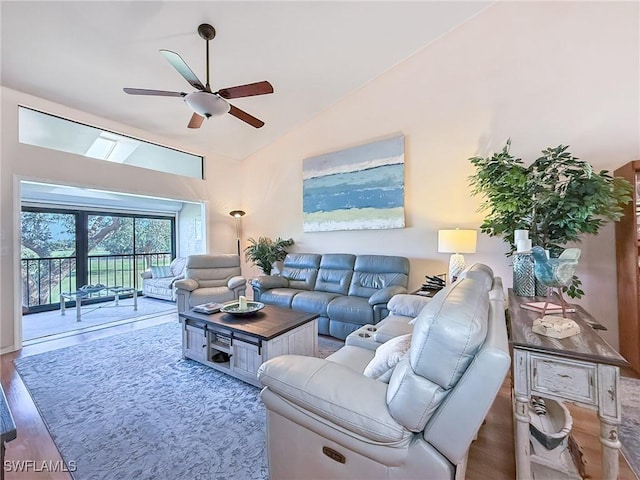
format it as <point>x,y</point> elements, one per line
<point>491,456</point>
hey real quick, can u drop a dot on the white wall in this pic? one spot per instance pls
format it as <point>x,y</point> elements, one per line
<point>540,73</point>
<point>192,238</point>
<point>220,192</point>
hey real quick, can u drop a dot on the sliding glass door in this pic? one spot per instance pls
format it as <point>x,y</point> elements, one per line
<point>65,249</point>
<point>48,250</point>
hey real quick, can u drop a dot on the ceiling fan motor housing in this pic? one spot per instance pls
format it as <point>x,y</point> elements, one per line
<point>207,104</point>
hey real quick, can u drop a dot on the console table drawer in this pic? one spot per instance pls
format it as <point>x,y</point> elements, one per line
<point>571,380</point>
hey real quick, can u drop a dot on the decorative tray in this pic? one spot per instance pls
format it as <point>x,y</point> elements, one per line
<point>234,308</point>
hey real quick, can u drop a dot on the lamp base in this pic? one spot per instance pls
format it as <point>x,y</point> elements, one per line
<point>456,266</point>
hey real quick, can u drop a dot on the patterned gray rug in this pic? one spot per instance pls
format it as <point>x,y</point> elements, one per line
<point>129,406</point>
<point>629,431</point>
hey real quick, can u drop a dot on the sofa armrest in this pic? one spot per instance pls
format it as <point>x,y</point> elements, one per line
<point>407,305</point>
<point>334,393</point>
<point>385,294</point>
<point>188,284</point>
<point>235,282</point>
<point>176,278</point>
<point>267,282</point>
<point>146,274</point>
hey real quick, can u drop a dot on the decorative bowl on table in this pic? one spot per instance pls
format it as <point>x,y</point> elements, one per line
<point>234,308</point>
<point>92,288</point>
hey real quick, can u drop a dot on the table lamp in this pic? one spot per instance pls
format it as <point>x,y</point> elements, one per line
<point>457,242</point>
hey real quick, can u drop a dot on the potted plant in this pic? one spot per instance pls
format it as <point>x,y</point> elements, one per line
<point>558,198</point>
<point>264,251</point>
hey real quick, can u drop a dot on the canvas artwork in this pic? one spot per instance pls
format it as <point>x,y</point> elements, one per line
<point>359,188</point>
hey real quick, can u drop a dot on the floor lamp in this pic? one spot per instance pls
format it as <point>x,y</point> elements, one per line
<point>457,242</point>
<point>237,214</point>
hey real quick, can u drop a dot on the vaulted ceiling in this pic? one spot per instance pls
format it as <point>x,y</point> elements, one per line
<point>81,55</point>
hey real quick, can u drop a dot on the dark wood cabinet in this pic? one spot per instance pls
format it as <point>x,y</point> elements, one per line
<point>628,267</point>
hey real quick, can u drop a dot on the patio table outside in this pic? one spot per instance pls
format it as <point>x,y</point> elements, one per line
<point>86,291</point>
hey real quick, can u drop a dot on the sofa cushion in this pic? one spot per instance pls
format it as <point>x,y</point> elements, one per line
<point>387,357</point>
<point>162,282</point>
<point>479,271</point>
<point>412,399</point>
<point>449,331</point>
<point>335,273</point>
<point>212,270</point>
<point>301,269</point>
<point>374,272</point>
<point>151,290</point>
<point>446,336</point>
<point>161,271</point>
<point>312,302</point>
<point>208,294</point>
<point>305,382</point>
<point>355,358</point>
<point>177,266</point>
<point>280,297</point>
<point>350,310</point>
<point>392,326</point>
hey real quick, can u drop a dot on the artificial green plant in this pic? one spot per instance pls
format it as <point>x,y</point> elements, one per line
<point>264,251</point>
<point>558,198</point>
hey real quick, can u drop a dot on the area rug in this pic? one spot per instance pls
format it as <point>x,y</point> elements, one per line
<point>629,431</point>
<point>129,406</point>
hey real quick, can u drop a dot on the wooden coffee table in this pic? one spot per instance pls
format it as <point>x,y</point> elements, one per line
<point>248,341</point>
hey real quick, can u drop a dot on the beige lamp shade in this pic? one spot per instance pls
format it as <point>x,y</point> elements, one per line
<point>457,241</point>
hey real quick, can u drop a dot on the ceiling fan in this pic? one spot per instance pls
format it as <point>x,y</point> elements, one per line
<point>204,102</point>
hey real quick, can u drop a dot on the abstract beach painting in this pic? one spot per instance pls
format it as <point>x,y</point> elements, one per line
<point>359,188</point>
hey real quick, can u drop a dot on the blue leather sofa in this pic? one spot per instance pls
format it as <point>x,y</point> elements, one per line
<point>347,291</point>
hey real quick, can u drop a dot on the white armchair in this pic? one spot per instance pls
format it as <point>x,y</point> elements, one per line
<point>210,278</point>
<point>328,417</point>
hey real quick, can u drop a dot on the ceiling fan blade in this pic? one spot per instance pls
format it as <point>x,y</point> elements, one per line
<point>183,69</point>
<point>245,117</point>
<point>249,90</point>
<point>159,93</point>
<point>196,121</point>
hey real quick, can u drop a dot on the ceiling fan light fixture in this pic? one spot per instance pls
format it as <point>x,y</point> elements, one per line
<point>204,102</point>
<point>207,104</point>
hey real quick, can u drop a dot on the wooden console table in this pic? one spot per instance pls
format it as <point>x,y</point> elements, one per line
<point>583,369</point>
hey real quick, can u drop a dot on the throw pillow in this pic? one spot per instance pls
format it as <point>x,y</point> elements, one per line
<point>161,272</point>
<point>387,357</point>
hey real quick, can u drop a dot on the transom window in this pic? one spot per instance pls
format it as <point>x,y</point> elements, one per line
<point>57,133</point>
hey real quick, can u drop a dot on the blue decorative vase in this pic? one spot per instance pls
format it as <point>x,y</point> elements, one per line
<point>524,279</point>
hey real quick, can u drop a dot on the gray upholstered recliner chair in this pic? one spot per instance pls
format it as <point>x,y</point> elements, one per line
<point>210,278</point>
<point>327,419</point>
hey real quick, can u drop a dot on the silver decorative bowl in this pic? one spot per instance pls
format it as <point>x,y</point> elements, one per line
<point>234,308</point>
